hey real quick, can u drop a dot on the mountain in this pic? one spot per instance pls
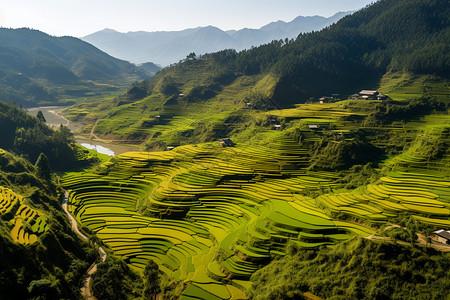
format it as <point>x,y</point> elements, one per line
<point>149,67</point>
<point>398,46</point>
<point>167,47</point>
<point>34,66</point>
<point>306,24</point>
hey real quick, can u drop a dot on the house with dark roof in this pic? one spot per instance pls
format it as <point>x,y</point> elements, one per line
<point>443,236</point>
<point>369,95</point>
<point>226,143</point>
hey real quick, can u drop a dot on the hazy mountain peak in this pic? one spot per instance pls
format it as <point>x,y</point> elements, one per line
<point>166,47</point>
<point>108,30</point>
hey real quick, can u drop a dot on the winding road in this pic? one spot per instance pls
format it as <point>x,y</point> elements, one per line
<point>93,268</point>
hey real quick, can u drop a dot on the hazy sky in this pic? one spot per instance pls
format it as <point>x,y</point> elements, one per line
<point>81,17</point>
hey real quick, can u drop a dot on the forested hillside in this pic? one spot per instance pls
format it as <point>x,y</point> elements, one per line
<point>29,136</point>
<point>366,270</point>
<point>399,47</point>
<point>354,53</point>
<point>41,258</point>
<point>253,196</point>
<point>38,68</point>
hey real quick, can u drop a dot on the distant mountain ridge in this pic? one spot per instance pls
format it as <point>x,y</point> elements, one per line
<point>34,66</point>
<point>166,47</point>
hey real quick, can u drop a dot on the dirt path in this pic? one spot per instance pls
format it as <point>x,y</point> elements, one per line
<point>85,290</point>
<point>91,135</point>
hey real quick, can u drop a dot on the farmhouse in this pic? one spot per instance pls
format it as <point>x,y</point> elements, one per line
<point>443,236</point>
<point>313,127</point>
<point>226,143</point>
<point>369,94</point>
<point>272,119</point>
<point>326,99</point>
<point>323,100</point>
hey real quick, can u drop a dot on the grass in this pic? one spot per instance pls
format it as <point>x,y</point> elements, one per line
<point>407,86</point>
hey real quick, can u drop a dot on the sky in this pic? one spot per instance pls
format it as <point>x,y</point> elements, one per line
<point>82,17</point>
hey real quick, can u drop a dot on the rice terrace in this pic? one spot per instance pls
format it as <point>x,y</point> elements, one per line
<point>266,150</point>
<point>211,216</point>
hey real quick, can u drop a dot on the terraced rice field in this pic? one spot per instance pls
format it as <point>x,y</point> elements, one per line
<point>212,216</point>
<point>27,222</point>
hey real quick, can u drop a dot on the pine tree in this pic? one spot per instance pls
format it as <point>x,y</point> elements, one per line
<point>151,280</point>
<point>42,167</point>
<point>40,117</point>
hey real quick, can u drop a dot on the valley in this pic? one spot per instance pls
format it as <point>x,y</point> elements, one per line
<point>314,167</point>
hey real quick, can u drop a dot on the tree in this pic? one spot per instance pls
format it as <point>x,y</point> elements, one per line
<point>191,55</point>
<point>114,280</point>
<point>40,117</point>
<point>43,289</point>
<point>42,167</point>
<point>151,280</point>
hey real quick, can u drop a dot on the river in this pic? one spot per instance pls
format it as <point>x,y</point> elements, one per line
<point>54,119</point>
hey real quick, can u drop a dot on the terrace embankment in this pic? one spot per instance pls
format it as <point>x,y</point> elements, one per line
<point>212,216</point>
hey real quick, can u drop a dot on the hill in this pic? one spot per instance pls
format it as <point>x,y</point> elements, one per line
<point>28,136</point>
<point>40,255</point>
<point>167,47</point>
<point>196,100</point>
<point>36,68</point>
<point>41,258</point>
<point>365,261</point>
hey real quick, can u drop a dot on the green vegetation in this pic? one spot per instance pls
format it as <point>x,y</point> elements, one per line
<point>114,280</point>
<point>41,258</point>
<point>26,135</point>
<point>357,269</point>
<point>211,216</point>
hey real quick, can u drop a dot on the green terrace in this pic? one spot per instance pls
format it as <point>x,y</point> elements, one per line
<point>27,223</point>
<point>212,216</point>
